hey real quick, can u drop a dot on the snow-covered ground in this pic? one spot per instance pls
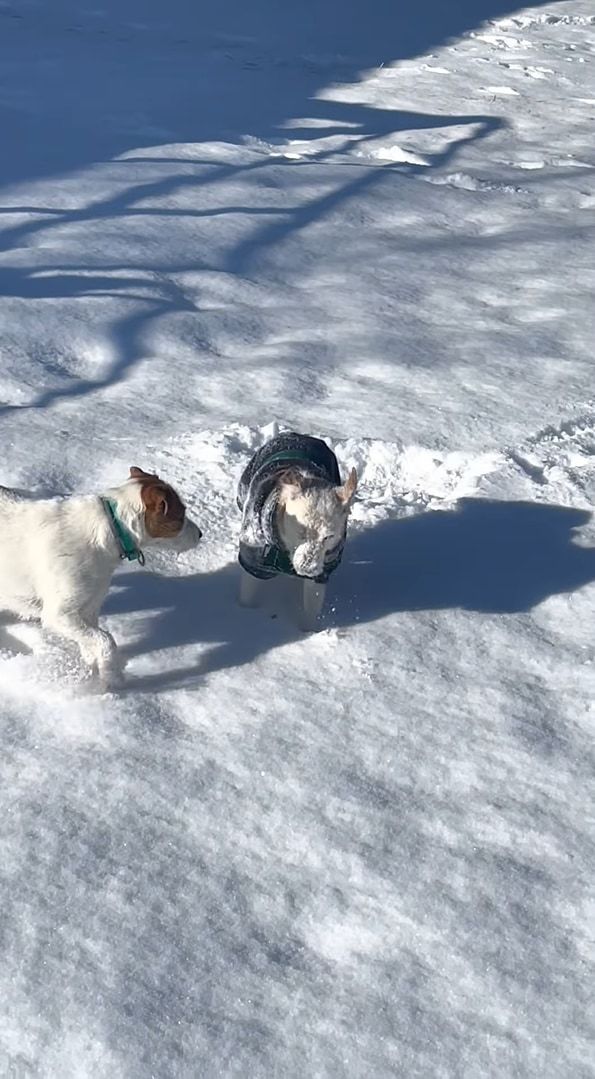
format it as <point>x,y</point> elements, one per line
<point>369,852</point>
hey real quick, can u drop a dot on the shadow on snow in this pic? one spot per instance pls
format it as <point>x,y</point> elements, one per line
<point>488,556</point>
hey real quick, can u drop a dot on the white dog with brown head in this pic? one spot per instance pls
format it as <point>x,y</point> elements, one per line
<point>294,518</point>
<point>57,556</point>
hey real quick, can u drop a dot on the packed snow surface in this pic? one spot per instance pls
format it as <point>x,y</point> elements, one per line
<point>367,852</point>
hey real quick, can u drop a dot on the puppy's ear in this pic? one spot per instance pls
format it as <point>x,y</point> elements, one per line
<point>290,484</point>
<point>155,499</point>
<point>140,474</point>
<point>164,510</point>
<point>346,493</point>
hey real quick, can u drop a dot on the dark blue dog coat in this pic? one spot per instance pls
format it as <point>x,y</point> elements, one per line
<point>261,551</point>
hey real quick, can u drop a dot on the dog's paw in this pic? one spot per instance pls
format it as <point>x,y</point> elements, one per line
<point>308,624</point>
<point>250,603</point>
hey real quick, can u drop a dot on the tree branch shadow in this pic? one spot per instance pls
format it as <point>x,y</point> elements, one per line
<point>264,98</point>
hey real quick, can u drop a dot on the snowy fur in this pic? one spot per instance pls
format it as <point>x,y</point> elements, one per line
<point>57,558</point>
<point>312,520</point>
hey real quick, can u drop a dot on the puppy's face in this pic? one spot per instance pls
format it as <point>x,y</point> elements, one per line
<point>315,518</point>
<point>165,517</point>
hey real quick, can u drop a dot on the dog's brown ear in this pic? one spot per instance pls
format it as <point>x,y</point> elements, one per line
<point>290,483</point>
<point>164,510</point>
<point>154,498</point>
<point>140,474</point>
<point>347,491</point>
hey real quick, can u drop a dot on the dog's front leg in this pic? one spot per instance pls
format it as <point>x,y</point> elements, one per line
<point>250,589</point>
<point>313,595</point>
<point>97,646</point>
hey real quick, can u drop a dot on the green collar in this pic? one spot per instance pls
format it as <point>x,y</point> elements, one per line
<point>124,539</point>
<point>287,455</point>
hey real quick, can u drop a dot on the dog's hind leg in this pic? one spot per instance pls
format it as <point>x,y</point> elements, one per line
<point>313,595</point>
<point>250,589</point>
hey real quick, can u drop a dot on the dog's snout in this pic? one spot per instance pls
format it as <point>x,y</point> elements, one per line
<point>307,561</point>
<point>194,531</point>
<point>189,537</point>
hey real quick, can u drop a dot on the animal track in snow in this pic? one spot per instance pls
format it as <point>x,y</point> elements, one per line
<point>580,430</point>
<point>436,69</point>
<point>395,154</point>
<point>465,182</point>
<point>529,165</point>
<point>524,22</point>
<point>526,69</point>
<point>568,162</point>
<point>562,453</point>
<point>502,41</point>
<point>499,91</point>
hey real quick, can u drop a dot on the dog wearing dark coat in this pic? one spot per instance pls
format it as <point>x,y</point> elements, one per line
<point>294,519</point>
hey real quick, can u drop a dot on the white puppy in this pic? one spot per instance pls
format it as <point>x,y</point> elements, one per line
<point>57,556</point>
<point>294,518</point>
